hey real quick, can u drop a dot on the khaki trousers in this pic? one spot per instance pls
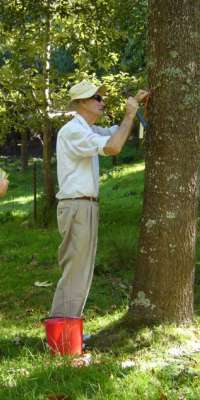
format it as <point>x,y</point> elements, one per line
<point>78,226</point>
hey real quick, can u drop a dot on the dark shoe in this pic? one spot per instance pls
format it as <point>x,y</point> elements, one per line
<point>86,338</point>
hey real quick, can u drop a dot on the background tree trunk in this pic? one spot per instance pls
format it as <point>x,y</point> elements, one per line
<point>163,284</point>
<point>47,131</point>
<point>24,150</point>
<point>48,176</point>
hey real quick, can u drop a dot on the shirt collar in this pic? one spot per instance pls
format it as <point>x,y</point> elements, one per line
<point>82,121</point>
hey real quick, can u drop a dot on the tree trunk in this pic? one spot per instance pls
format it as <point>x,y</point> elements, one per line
<point>48,176</point>
<point>24,150</point>
<point>164,278</point>
<point>47,132</point>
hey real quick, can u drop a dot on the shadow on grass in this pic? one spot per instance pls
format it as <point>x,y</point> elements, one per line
<point>127,335</point>
<point>120,337</point>
<point>14,347</point>
<point>123,336</point>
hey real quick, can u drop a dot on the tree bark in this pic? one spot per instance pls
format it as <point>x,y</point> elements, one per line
<point>164,277</point>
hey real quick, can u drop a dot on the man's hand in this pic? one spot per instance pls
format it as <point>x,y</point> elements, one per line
<point>3,187</point>
<point>141,95</point>
<point>133,102</point>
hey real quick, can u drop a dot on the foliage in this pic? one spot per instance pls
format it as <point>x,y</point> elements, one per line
<point>85,40</point>
<point>117,86</point>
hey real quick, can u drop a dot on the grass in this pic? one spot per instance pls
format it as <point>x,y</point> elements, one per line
<point>155,363</point>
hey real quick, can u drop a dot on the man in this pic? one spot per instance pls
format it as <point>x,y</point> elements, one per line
<point>79,143</point>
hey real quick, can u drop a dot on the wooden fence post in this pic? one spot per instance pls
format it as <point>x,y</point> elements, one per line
<point>34,191</point>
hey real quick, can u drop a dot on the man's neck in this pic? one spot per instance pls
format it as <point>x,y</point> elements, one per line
<point>89,118</point>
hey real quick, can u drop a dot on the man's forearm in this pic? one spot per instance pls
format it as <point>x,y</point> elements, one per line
<point>117,141</point>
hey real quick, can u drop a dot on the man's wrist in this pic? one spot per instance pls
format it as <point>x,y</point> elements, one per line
<point>137,101</point>
<point>130,114</point>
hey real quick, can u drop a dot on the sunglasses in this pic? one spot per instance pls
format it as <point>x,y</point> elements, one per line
<point>97,97</point>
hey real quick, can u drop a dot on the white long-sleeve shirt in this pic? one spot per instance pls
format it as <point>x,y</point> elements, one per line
<point>78,147</point>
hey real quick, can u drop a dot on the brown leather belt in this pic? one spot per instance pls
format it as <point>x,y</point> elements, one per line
<point>90,198</point>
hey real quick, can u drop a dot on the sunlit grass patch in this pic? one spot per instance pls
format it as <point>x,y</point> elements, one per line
<point>122,171</point>
<point>19,200</point>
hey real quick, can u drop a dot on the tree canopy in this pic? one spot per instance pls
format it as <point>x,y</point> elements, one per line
<point>105,39</point>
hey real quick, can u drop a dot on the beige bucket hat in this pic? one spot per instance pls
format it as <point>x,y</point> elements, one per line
<point>85,90</point>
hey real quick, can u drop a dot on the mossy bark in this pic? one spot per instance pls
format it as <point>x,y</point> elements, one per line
<point>164,277</point>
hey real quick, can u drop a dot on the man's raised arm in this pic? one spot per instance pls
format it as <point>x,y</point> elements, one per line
<point>117,140</point>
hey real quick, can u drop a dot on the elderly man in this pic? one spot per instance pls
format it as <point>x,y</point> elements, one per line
<point>79,143</point>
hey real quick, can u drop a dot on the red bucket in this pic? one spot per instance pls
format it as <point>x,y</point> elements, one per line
<point>64,335</point>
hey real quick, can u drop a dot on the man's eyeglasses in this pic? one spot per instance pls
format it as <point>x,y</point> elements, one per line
<point>97,97</point>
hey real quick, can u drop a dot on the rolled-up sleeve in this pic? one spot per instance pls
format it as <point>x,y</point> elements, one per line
<point>105,131</point>
<point>81,143</point>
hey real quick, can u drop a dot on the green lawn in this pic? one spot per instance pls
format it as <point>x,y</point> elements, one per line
<point>151,363</point>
